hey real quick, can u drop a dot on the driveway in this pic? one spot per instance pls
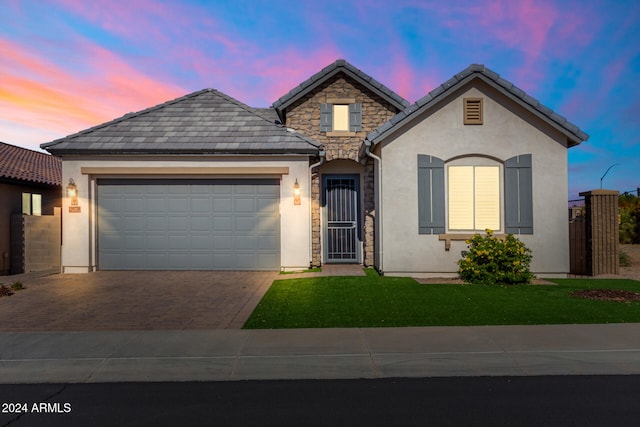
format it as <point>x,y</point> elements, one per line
<point>133,300</point>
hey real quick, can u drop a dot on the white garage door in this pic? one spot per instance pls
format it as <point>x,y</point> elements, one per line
<point>188,224</point>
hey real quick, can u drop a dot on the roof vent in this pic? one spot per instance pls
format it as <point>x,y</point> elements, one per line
<point>472,111</point>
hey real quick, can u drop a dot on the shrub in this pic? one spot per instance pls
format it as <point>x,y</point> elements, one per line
<point>492,260</point>
<point>625,259</point>
<point>17,286</point>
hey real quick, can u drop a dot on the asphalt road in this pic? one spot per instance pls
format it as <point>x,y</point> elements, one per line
<point>475,401</point>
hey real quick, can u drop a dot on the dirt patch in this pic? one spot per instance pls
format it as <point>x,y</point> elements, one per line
<point>5,292</point>
<point>458,281</point>
<point>616,295</point>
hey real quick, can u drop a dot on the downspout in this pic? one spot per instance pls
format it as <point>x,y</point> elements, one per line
<point>322,155</point>
<point>367,148</point>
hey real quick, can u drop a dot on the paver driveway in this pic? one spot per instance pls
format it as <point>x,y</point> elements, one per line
<point>134,300</point>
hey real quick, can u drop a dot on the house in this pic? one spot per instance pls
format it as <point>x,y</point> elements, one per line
<point>29,185</point>
<point>341,169</point>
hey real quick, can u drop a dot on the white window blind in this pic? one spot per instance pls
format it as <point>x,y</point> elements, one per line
<point>340,117</point>
<point>474,197</point>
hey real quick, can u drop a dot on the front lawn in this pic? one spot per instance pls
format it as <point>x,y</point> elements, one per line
<point>372,301</point>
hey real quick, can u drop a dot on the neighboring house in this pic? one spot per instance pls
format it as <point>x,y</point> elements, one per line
<point>340,169</point>
<point>29,184</point>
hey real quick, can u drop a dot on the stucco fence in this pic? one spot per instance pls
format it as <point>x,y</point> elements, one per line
<point>35,242</point>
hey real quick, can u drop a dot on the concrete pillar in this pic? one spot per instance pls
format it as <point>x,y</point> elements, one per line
<point>602,232</point>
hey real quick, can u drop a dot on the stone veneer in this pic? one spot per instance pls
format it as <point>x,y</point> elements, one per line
<point>304,117</point>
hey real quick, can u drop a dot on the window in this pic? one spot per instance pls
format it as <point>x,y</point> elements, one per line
<point>475,199</point>
<point>341,116</point>
<point>32,204</point>
<point>472,111</point>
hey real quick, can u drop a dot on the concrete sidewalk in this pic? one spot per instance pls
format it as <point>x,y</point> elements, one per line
<point>223,355</point>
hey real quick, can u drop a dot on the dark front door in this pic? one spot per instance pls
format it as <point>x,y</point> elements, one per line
<point>342,242</point>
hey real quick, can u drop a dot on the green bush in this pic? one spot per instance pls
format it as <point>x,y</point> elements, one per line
<point>625,259</point>
<point>629,218</point>
<point>492,260</point>
<point>17,286</point>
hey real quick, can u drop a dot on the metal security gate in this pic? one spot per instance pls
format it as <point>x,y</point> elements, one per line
<point>189,224</point>
<point>342,242</point>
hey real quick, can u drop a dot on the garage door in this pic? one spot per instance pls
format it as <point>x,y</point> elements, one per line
<point>188,224</point>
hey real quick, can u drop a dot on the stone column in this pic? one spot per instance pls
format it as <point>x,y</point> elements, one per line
<point>602,232</point>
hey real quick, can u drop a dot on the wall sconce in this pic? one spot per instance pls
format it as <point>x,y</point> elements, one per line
<point>72,192</point>
<point>296,193</point>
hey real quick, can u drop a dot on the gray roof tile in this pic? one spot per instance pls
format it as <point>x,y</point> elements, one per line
<point>575,135</point>
<point>206,121</point>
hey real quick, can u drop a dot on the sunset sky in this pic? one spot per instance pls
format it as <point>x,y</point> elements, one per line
<point>67,65</point>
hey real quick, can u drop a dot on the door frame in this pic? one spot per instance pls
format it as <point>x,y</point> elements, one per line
<point>325,229</point>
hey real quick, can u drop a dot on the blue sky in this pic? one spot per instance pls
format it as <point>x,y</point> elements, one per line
<point>67,65</point>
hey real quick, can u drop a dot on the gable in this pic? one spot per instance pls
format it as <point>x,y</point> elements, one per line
<point>340,66</point>
<point>480,76</point>
<point>339,113</point>
<point>505,124</point>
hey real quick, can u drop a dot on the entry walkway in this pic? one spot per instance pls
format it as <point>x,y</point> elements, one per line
<point>224,355</point>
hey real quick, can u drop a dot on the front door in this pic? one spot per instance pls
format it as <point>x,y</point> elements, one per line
<point>342,236</point>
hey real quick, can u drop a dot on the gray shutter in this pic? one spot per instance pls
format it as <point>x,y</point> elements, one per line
<point>326,117</point>
<point>355,117</point>
<point>518,194</point>
<point>430,195</point>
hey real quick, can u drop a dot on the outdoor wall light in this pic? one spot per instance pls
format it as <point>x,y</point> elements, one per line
<point>72,192</point>
<point>296,193</point>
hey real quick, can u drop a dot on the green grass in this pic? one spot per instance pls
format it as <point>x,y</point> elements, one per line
<point>372,301</point>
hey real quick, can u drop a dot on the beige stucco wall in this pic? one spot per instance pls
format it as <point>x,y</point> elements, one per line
<point>503,135</point>
<point>79,229</point>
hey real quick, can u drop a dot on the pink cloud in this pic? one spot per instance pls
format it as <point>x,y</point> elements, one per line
<point>42,95</point>
<point>265,76</point>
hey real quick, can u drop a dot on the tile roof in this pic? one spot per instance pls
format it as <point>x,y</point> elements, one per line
<point>204,122</point>
<point>573,133</point>
<point>21,164</point>
<point>329,71</point>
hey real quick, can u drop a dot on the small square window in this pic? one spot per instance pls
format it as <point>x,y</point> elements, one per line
<point>472,111</point>
<point>31,204</point>
<point>341,118</point>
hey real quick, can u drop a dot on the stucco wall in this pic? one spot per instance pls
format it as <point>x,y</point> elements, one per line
<point>508,130</point>
<point>79,229</point>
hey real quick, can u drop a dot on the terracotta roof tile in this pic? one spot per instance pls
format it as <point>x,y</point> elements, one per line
<point>28,165</point>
